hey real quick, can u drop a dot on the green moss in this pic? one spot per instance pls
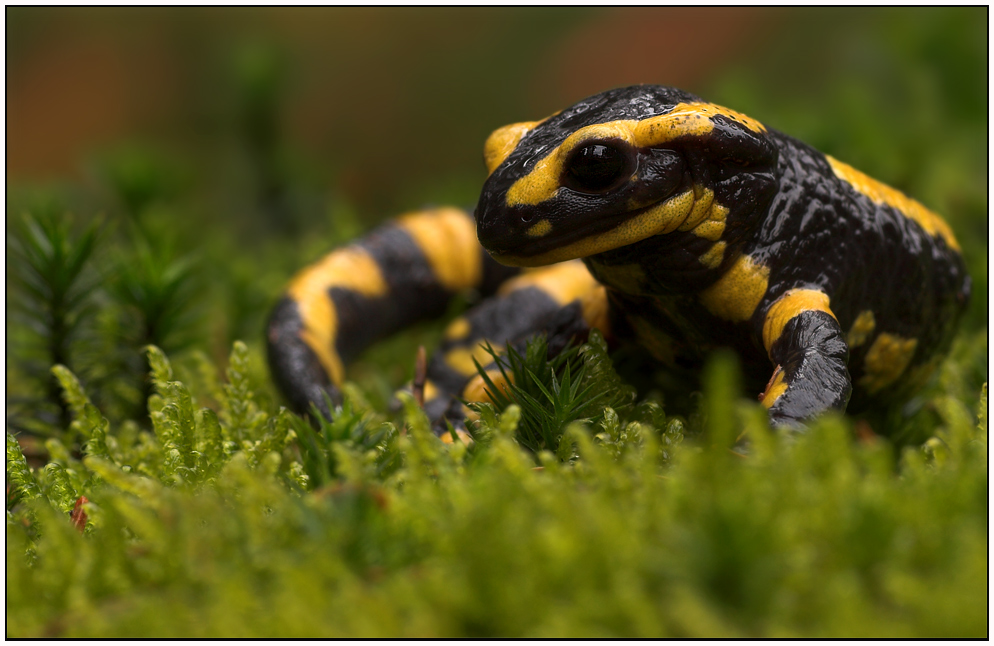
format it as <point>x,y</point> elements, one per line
<point>786,535</point>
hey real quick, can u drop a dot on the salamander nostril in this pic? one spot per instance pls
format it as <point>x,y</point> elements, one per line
<point>527,217</point>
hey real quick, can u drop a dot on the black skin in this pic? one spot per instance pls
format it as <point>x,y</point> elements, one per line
<point>786,210</point>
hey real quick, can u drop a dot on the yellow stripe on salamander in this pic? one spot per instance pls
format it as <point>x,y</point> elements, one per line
<point>564,282</point>
<point>735,296</point>
<point>686,119</point>
<point>447,237</point>
<point>502,142</point>
<point>791,304</point>
<point>693,210</point>
<point>660,219</point>
<point>880,193</point>
<point>350,268</point>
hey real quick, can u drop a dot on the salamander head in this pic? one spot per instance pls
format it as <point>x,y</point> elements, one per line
<point>610,171</point>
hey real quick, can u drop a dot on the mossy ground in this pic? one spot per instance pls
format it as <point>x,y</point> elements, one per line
<point>210,525</point>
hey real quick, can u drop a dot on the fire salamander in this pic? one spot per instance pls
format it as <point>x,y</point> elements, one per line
<point>662,220</point>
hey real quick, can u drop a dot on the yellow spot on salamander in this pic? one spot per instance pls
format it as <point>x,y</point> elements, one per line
<point>714,226</point>
<point>349,268</point>
<point>880,193</point>
<point>458,329</point>
<point>502,142</point>
<point>886,360</point>
<point>447,237</point>
<point>461,359</point>
<point>564,282</point>
<point>463,436</point>
<point>791,304</point>
<point>776,388</point>
<point>431,390</point>
<point>861,329</point>
<point>476,389</point>
<point>712,257</point>
<point>539,229</point>
<point>735,296</point>
<point>686,119</point>
<point>660,219</point>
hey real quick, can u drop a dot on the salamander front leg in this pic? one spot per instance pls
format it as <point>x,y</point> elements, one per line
<point>806,344</point>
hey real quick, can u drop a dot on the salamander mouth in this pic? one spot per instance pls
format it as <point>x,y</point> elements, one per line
<point>595,235</point>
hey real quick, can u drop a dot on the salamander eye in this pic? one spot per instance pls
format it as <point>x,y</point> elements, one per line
<point>597,167</point>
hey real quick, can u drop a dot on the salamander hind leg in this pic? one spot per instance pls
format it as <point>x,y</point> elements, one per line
<point>563,301</point>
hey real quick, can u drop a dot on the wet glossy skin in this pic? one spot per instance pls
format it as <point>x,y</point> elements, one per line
<point>800,230</point>
<point>698,227</point>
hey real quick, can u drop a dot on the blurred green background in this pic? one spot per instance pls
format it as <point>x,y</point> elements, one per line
<point>238,145</point>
